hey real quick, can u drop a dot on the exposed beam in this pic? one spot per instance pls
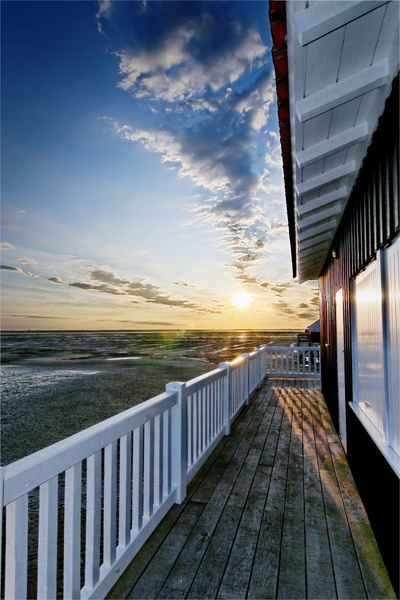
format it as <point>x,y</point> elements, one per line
<point>320,216</point>
<point>323,200</point>
<point>323,237</point>
<point>331,224</point>
<point>312,249</point>
<point>330,176</point>
<point>336,143</point>
<point>343,91</point>
<point>323,17</point>
<point>315,259</point>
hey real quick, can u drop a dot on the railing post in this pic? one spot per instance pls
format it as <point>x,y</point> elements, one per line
<point>246,378</point>
<point>179,439</point>
<point>226,397</point>
<point>258,367</point>
<point>263,362</point>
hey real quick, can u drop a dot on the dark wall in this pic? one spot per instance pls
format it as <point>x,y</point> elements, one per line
<point>369,223</point>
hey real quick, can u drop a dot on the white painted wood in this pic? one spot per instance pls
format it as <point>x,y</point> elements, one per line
<point>110,504</point>
<point>323,17</point>
<point>167,465</point>
<point>370,344</point>
<point>179,440</point>
<point>317,229</point>
<point>331,145</point>
<point>125,476</point>
<point>158,461</point>
<point>317,248</point>
<point>343,91</point>
<point>324,200</point>
<point>317,239</point>
<point>148,473</point>
<point>93,520</point>
<point>137,479</point>
<point>30,472</point>
<point>391,262</point>
<point>325,178</point>
<point>360,42</point>
<point>319,216</point>
<point>72,532</point>
<point>47,546</point>
<point>16,549</point>
<point>109,576</point>
<point>323,61</point>
<point>226,399</point>
<point>340,367</point>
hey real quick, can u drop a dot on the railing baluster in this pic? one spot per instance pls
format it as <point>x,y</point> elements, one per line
<point>137,479</point>
<point>195,430</point>
<point>190,431</point>
<point>47,547</point>
<point>167,453</point>
<point>93,514</point>
<point>110,504</point>
<point>125,473</point>
<point>72,532</point>
<point>204,411</point>
<point>148,469</point>
<point>16,549</point>
<point>158,461</point>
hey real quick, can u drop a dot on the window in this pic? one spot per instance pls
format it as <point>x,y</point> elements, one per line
<point>376,346</point>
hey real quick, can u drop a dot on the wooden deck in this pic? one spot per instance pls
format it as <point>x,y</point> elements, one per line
<point>273,513</point>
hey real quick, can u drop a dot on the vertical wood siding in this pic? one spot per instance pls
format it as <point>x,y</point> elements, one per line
<point>369,223</point>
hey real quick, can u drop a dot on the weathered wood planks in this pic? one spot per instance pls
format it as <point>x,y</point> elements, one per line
<point>273,513</point>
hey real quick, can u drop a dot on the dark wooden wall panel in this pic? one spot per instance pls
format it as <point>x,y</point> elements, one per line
<point>369,223</point>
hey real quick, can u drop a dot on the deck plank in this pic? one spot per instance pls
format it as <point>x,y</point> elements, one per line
<point>273,513</point>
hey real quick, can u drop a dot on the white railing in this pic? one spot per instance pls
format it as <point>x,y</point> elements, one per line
<point>293,362</point>
<point>111,484</point>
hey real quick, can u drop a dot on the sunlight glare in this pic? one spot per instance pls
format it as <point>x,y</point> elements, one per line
<point>241,300</point>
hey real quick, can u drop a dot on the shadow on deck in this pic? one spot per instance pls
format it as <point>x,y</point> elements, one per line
<point>273,513</point>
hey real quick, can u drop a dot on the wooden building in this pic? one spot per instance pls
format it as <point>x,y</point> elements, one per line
<point>337,80</point>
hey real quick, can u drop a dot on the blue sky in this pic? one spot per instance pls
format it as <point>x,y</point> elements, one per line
<point>141,175</point>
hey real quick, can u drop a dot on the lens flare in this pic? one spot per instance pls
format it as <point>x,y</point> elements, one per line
<point>241,300</point>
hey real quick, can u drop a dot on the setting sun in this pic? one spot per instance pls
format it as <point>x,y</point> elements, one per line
<point>241,300</point>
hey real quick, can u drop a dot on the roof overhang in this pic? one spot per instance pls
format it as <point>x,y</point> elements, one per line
<point>334,72</point>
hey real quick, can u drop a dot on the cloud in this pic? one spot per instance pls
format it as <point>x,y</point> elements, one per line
<point>184,284</point>
<point>5,222</point>
<point>110,283</point>
<point>6,246</point>
<point>206,71</point>
<point>160,323</point>
<point>44,317</point>
<point>17,269</point>
<point>27,261</point>
<point>173,51</point>
<point>56,279</point>
<point>141,252</point>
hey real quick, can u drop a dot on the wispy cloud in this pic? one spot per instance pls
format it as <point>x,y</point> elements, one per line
<point>212,94</point>
<point>26,261</point>
<point>6,246</point>
<point>107,282</point>
<point>17,270</point>
<point>56,279</point>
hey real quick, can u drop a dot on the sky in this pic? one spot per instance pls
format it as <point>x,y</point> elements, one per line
<point>141,171</point>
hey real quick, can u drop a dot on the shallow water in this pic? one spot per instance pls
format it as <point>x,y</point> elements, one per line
<point>55,384</point>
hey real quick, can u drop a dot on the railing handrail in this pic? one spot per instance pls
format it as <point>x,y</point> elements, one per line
<point>161,444</point>
<point>29,472</point>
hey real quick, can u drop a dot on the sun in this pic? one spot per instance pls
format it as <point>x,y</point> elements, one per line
<point>241,300</point>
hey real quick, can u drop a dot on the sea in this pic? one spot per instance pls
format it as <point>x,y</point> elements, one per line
<point>57,383</point>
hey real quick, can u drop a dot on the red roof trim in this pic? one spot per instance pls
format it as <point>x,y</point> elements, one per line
<point>277,18</point>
